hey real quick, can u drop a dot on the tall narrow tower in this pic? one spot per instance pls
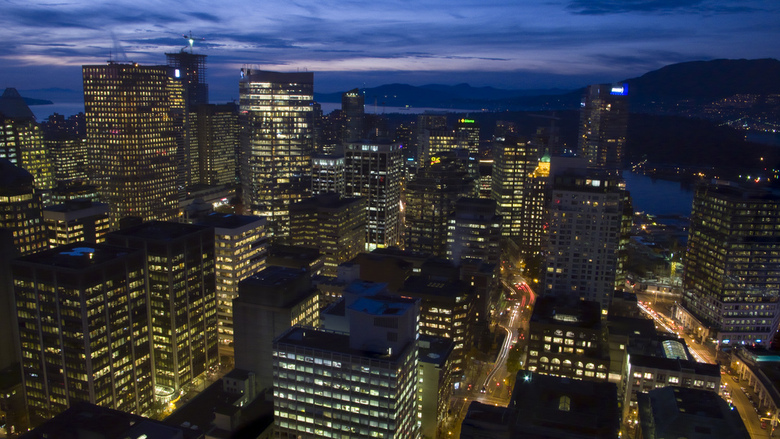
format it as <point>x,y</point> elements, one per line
<point>603,124</point>
<point>276,144</point>
<point>352,109</point>
<point>374,171</point>
<point>132,116</point>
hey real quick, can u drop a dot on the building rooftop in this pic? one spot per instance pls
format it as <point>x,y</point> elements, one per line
<point>378,307</point>
<point>330,341</point>
<point>13,105</point>
<point>434,350</point>
<point>671,412</point>
<point>275,287</point>
<point>78,255</point>
<point>328,200</point>
<point>424,286</point>
<point>77,205</point>
<point>676,365</point>
<point>229,221</point>
<point>545,404</point>
<point>85,420</point>
<point>580,313</point>
<point>159,230</point>
<point>13,179</point>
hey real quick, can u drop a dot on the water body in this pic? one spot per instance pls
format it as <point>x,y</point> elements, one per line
<point>658,197</point>
<point>764,137</point>
<point>69,108</point>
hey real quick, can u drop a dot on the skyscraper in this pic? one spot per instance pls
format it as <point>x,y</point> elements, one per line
<point>374,171</point>
<point>335,226</point>
<point>190,70</point>
<point>467,135</point>
<point>513,160</point>
<point>133,113</point>
<point>276,143</point>
<point>327,174</point>
<point>584,258</point>
<point>84,329</point>
<point>21,142</point>
<point>182,297</point>
<point>357,385</point>
<point>731,279</point>
<point>352,112</point>
<point>21,211</point>
<point>474,231</point>
<point>213,146</point>
<point>603,124</point>
<point>75,221</point>
<point>241,248</point>
<point>430,199</point>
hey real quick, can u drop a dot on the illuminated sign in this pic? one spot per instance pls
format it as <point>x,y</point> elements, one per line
<point>435,160</point>
<point>177,73</point>
<point>619,89</point>
<point>467,121</point>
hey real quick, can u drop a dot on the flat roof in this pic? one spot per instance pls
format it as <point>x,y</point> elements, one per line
<point>229,221</point>
<point>78,255</point>
<point>159,230</point>
<point>378,307</point>
<point>331,341</point>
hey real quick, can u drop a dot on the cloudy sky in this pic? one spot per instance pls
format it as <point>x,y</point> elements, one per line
<point>517,44</point>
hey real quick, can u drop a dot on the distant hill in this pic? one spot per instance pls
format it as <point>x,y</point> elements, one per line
<point>697,83</point>
<point>708,79</point>
<point>461,96</point>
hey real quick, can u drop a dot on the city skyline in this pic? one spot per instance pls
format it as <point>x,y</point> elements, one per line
<point>561,43</point>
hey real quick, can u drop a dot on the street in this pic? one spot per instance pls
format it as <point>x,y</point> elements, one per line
<point>741,395</point>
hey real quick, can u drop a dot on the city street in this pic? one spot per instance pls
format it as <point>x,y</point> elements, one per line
<point>740,394</point>
<point>514,323</point>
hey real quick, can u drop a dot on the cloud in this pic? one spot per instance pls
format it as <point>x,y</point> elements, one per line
<point>605,7</point>
<point>204,16</point>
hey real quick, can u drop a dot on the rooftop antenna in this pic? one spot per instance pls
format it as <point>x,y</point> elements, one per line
<point>191,39</point>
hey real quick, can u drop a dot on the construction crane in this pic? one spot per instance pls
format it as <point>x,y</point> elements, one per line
<point>191,39</point>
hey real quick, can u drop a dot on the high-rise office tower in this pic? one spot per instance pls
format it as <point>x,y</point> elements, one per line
<point>21,142</point>
<point>75,221</point>
<point>467,135</point>
<point>84,329</point>
<point>269,303</point>
<point>276,144</point>
<point>353,115</point>
<point>474,231</point>
<point>21,210</point>
<point>432,142</point>
<point>603,124</point>
<point>327,174</point>
<point>132,116</point>
<point>513,160</point>
<point>535,208</point>
<point>731,277</point>
<point>66,142</point>
<point>214,144</point>
<point>374,171</point>
<point>190,70</point>
<point>584,258</point>
<point>335,226</point>
<point>430,199</point>
<point>426,124</point>
<point>240,250</point>
<point>362,384</point>
<point>182,297</point>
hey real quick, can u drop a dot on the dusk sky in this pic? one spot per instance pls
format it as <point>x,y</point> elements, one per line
<point>517,44</point>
